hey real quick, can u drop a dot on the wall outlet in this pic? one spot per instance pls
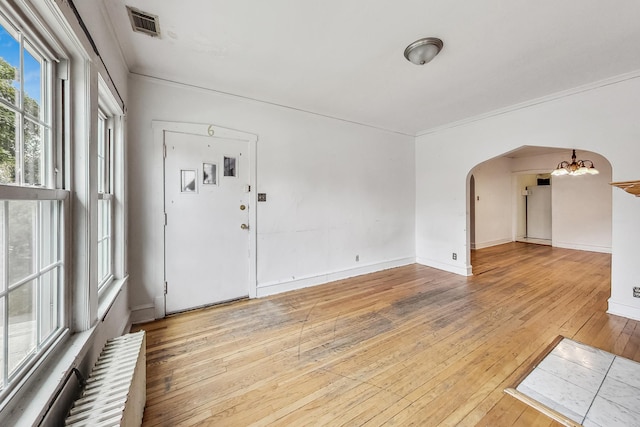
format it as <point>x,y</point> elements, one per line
<point>636,291</point>
<point>454,256</point>
<point>357,258</point>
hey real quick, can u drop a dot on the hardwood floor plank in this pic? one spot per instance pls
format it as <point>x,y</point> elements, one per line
<point>409,345</point>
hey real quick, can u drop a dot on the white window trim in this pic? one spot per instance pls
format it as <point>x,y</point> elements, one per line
<point>105,192</point>
<point>117,194</point>
<point>53,25</point>
<point>45,191</point>
<point>13,193</point>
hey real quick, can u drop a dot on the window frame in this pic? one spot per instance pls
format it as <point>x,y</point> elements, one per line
<point>46,119</point>
<point>14,193</point>
<point>82,84</point>
<point>114,181</point>
<point>49,188</point>
<point>105,194</point>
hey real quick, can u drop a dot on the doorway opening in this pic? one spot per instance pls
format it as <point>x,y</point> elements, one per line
<point>533,208</point>
<point>511,198</point>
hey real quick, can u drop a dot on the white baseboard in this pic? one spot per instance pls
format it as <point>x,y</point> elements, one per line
<point>273,288</point>
<point>143,313</point>
<point>451,268</point>
<point>490,243</point>
<point>149,312</point>
<point>160,309</point>
<point>589,248</point>
<point>623,310</point>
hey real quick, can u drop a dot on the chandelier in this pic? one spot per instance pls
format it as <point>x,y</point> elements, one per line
<point>575,167</point>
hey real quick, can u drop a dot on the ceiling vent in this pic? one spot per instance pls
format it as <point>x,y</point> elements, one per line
<point>143,22</point>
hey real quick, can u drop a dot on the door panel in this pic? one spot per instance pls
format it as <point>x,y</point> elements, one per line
<point>206,250</point>
<point>539,212</point>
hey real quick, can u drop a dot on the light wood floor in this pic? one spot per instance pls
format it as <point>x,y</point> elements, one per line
<point>410,345</point>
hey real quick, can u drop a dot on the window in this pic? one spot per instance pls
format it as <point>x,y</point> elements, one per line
<point>31,209</point>
<point>105,201</point>
<point>24,117</point>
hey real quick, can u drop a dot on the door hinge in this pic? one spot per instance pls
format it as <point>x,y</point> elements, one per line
<point>164,151</point>
<point>165,219</point>
<point>166,285</point>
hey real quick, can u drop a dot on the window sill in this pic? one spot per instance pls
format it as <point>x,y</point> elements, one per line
<point>31,399</point>
<point>108,296</point>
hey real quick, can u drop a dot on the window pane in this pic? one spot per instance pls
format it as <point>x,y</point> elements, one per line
<point>106,226</point>
<point>3,245</point>
<point>49,251</point>
<point>2,340</point>
<point>100,219</point>
<point>101,155</point>
<point>101,271</point>
<point>22,324</point>
<point>8,142</point>
<point>33,141</point>
<point>33,83</point>
<point>104,240</point>
<point>49,303</point>
<point>22,232</point>
<point>9,67</point>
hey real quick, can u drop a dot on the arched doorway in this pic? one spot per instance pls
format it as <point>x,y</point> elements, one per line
<point>580,205</point>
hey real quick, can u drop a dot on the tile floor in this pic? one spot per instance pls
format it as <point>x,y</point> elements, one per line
<point>588,385</point>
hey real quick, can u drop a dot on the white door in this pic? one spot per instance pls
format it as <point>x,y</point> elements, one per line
<point>206,234</point>
<point>539,212</point>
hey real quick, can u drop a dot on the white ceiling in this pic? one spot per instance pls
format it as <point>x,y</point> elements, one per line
<point>344,58</point>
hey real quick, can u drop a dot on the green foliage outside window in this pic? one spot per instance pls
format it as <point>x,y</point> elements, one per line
<point>8,138</point>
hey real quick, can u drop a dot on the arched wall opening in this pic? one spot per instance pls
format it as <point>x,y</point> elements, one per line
<point>580,206</point>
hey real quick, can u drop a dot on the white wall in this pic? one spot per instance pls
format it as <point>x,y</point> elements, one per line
<point>334,190</point>
<point>493,204</point>
<point>599,119</point>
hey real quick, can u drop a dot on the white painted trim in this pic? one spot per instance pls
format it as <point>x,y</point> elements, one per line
<point>273,288</point>
<point>159,307</point>
<point>202,89</point>
<point>490,243</point>
<point>34,27</point>
<point>160,127</point>
<point>107,297</point>
<point>532,102</point>
<point>451,268</point>
<point>623,310</point>
<point>31,400</point>
<point>143,313</point>
<point>253,219</point>
<point>203,129</point>
<point>114,37</point>
<point>589,248</point>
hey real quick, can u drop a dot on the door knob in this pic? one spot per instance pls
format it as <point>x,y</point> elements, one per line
<point>242,207</point>
<point>244,226</point>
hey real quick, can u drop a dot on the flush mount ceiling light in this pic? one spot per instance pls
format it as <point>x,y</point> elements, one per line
<point>575,167</point>
<point>424,50</point>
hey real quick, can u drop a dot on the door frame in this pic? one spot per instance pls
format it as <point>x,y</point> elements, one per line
<point>160,128</point>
